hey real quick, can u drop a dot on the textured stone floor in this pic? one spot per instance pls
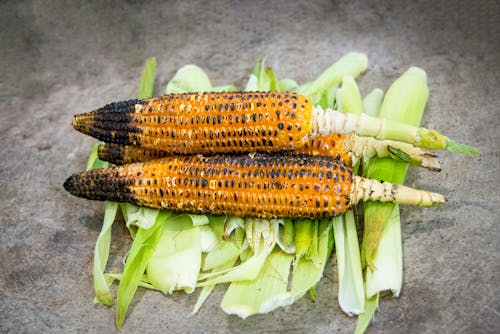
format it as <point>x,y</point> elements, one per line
<point>58,59</point>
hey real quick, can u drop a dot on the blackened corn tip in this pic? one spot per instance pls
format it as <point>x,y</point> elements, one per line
<point>69,185</point>
<point>112,153</point>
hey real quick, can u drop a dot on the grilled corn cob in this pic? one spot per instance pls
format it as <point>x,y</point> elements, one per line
<point>260,185</point>
<point>204,122</point>
<point>348,148</point>
<point>209,123</point>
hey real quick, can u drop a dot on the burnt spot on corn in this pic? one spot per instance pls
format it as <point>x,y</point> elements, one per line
<point>125,154</point>
<point>112,152</point>
<point>259,185</point>
<point>204,122</point>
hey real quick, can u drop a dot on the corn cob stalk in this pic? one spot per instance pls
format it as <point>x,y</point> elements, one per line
<point>349,148</point>
<point>263,185</point>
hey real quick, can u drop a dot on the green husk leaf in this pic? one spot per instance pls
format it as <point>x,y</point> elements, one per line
<point>224,88</point>
<point>198,220</point>
<point>223,252</point>
<point>385,262</point>
<point>248,270</point>
<point>371,105</point>
<point>287,85</point>
<point>373,101</point>
<point>351,64</point>
<point>269,290</point>
<point>208,239</point>
<point>404,102</point>
<point>365,318</point>
<point>303,236</point>
<point>273,83</point>
<point>262,294</point>
<point>351,289</point>
<point>267,78</point>
<point>307,272</point>
<point>222,257</point>
<point>189,79</point>
<point>206,290</point>
<point>101,254</point>
<point>286,235</point>
<point>228,247</point>
<point>143,283</point>
<point>101,249</point>
<point>139,216</point>
<point>312,253</point>
<point>257,68</point>
<point>146,87</point>
<point>217,224</point>
<point>261,79</point>
<point>388,261</point>
<point>252,84</point>
<point>260,235</point>
<point>351,97</point>
<point>140,252</point>
<point>176,260</point>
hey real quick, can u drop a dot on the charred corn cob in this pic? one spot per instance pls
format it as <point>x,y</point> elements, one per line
<point>204,123</point>
<point>236,122</point>
<point>259,185</point>
<point>348,148</point>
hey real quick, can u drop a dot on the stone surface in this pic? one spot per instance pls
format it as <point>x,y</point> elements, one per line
<point>58,59</point>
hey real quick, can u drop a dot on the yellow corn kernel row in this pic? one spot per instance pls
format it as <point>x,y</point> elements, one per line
<point>259,185</point>
<point>204,122</point>
<point>331,145</point>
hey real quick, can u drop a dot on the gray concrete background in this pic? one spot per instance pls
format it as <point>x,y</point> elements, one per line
<point>58,59</point>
